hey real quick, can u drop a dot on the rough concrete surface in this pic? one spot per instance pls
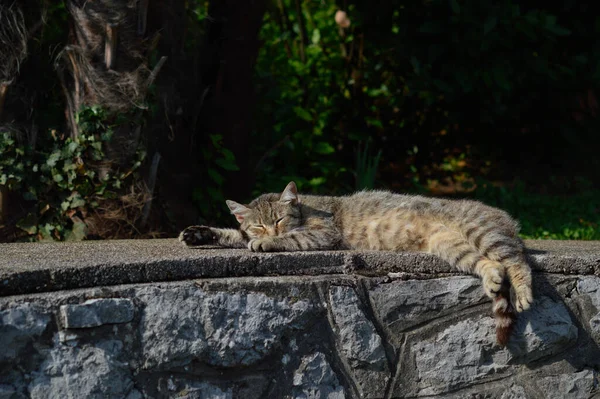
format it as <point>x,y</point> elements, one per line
<point>152,319</point>
<point>40,267</point>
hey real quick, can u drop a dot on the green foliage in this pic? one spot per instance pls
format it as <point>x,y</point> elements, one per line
<point>63,183</point>
<point>366,168</point>
<point>548,216</point>
<point>302,85</point>
<point>12,162</point>
<point>432,75</point>
<point>442,89</point>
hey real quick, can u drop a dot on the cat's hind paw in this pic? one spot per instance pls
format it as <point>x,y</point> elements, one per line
<point>492,281</point>
<point>197,235</point>
<point>524,297</point>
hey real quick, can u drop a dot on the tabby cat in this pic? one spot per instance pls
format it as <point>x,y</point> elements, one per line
<point>473,237</point>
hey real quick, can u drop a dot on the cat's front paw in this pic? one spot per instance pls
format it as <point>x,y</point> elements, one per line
<point>197,235</point>
<point>262,245</point>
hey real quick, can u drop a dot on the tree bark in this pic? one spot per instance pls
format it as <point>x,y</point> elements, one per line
<point>3,205</point>
<point>235,34</point>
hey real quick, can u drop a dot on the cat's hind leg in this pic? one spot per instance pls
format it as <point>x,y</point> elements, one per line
<point>509,251</point>
<point>451,246</point>
<point>454,248</point>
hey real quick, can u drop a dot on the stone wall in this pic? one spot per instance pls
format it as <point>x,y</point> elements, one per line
<point>327,325</point>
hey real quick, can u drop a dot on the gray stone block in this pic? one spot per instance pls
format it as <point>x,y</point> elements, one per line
<point>465,352</point>
<point>590,286</point>
<point>7,391</point>
<point>359,341</point>
<point>403,304</point>
<point>581,385</point>
<point>87,372</point>
<point>260,330</point>
<point>315,379</point>
<point>203,390</point>
<point>514,392</point>
<point>96,312</point>
<point>20,325</point>
<point>545,330</point>
<point>222,329</point>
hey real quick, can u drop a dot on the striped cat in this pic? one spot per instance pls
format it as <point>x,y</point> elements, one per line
<point>473,237</point>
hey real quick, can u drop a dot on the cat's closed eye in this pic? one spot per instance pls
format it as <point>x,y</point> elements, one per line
<point>257,229</point>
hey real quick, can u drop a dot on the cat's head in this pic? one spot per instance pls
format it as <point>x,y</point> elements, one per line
<point>269,214</point>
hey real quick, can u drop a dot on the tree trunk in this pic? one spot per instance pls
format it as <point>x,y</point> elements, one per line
<point>13,50</point>
<point>3,204</point>
<point>235,35</point>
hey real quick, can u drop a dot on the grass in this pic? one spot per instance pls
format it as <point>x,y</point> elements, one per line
<point>543,216</point>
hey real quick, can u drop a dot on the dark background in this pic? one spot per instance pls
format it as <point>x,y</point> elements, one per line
<point>131,119</point>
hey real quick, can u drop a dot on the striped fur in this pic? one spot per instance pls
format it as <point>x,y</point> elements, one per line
<point>473,237</point>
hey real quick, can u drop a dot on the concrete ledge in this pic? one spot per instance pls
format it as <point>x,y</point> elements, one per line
<point>42,267</point>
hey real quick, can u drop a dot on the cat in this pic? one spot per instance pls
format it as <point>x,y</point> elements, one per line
<point>472,237</point>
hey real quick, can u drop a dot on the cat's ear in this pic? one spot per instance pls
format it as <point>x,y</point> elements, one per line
<point>290,194</point>
<point>237,210</point>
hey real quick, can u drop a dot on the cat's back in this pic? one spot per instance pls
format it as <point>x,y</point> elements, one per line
<point>382,202</point>
<point>386,220</point>
<point>385,202</point>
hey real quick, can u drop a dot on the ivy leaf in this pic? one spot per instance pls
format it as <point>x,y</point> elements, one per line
<point>28,224</point>
<point>78,232</point>
<point>53,159</point>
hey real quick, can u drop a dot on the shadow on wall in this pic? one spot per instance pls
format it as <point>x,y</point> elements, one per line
<point>543,334</point>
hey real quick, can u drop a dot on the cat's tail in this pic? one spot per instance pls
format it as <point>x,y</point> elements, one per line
<point>451,246</point>
<point>505,315</point>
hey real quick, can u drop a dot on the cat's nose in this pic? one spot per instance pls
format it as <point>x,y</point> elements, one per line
<point>271,231</point>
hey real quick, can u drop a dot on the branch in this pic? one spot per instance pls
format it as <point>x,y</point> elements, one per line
<point>110,46</point>
<point>142,17</point>
<point>3,204</point>
<point>151,185</point>
<point>3,90</point>
<point>303,35</point>
<point>156,70</point>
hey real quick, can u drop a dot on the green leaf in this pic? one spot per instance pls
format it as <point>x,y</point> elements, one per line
<point>324,148</point>
<point>77,200</point>
<point>226,164</point>
<point>216,140</point>
<point>317,181</point>
<point>303,114</point>
<point>559,30</point>
<point>316,36</point>
<point>215,176</point>
<point>29,196</point>
<point>53,159</point>
<point>78,232</point>
<point>28,224</point>
<point>72,147</point>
